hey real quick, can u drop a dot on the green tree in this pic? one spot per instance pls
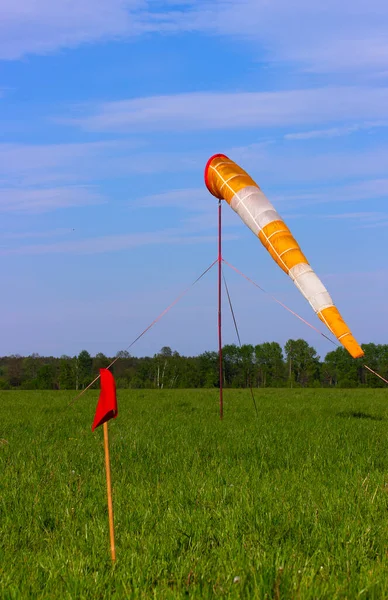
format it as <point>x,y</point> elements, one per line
<point>83,369</point>
<point>31,365</point>
<point>208,368</point>
<point>66,373</point>
<point>15,370</point>
<point>100,361</point>
<point>122,354</point>
<point>303,363</point>
<point>4,384</point>
<point>340,369</point>
<point>46,377</point>
<point>166,352</point>
<point>376,357</point>
<point>270,368</point>
<point>232,360</point>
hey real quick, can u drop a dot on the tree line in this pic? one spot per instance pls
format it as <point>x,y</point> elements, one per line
<point>263,365</point>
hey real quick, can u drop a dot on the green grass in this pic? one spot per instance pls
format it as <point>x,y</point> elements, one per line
<point>293,502</point>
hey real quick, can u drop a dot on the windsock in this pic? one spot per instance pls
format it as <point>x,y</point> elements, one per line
<point>226,180</point>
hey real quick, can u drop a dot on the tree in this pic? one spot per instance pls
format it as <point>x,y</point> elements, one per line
<point>67,373</point>
<point>166,352</point>
<point>31,366</point>
<point>270,366</point>
<point>4,385</point>
<point>15,370</point>
<point>208,369</point>
<point>123,354</point>
<point>376,357</point>
<point>340,369</point>
<point>231,357</point>
<point>303,362</point>
<point>46,377</point>
<point>262,365</point>
<point>247,365</point>
<point>84,369</point>
<point>100,361</point>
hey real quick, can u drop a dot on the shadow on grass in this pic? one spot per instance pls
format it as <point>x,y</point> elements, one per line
<point>359,415</point>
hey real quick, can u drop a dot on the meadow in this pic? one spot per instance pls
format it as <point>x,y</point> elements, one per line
<point>289,503</point>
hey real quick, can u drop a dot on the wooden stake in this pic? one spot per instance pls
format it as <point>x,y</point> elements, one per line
<point>109,493</point>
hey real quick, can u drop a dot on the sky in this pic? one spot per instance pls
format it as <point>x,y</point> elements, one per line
<point>109,112</point>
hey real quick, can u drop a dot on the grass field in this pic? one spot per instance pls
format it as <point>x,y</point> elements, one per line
<point>290,504</point>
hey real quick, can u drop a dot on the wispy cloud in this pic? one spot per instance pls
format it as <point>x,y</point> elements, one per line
<point>196,111</point>
<point>363,220</point>
<point>198,200</point>
<point>361,190</point>
<point>379,277</point>
<point>276,165</point>
<point>114,243</point>
<point>42,163</point>
<point>199,206</point>
<point>322,133</point>
<point>22,235</point>
<point>45,200</point>
<point>54,164</point>
<point>41,26</point>
<point>334,37</point>
<point>335,131</point>
<point>374,189</point>
<point>346,36</point>
<point>359,216</point>
<point>191,199</point>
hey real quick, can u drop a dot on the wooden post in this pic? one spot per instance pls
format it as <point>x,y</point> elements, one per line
<point>109,493</point>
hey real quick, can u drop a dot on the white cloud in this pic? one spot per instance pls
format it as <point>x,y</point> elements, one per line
<point>21,235</point>
<point>33,156</point>
<point>196,111</point>
<point>322,133</point>
<point>45,200</point>
<point>200,206</point>
<point>372,189</point>
<point>114,243</point>
<point>41,26</point>
<point>350,35</point>
<point>335,131</point>
<point>333,36</point>
<point>366,50</point>
<point>278,166</point>
<point>364,220</point>
<point>191,199</point>
<point>362,216</point>
<point>37,178</point>
<point>40,163</point>
<point>363,190</point>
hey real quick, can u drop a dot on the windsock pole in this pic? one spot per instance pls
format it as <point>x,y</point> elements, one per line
<point>220,306</point>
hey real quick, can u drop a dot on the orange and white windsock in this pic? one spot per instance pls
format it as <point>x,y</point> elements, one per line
<point>226,180</point>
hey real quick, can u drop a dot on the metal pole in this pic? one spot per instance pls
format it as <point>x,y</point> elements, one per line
<point>220,307</point>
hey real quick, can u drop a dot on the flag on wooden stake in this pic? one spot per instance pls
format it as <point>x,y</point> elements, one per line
<point>106,410</point>
<point>107,402</point>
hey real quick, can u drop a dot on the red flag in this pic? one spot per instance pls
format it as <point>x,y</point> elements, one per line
<point>107,402</point>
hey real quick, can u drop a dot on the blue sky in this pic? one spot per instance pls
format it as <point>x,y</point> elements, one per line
<point>108,114</point>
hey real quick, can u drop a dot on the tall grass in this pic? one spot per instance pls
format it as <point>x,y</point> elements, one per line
<point>290,504</point>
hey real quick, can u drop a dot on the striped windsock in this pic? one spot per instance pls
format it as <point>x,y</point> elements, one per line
<point>226,180</point>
